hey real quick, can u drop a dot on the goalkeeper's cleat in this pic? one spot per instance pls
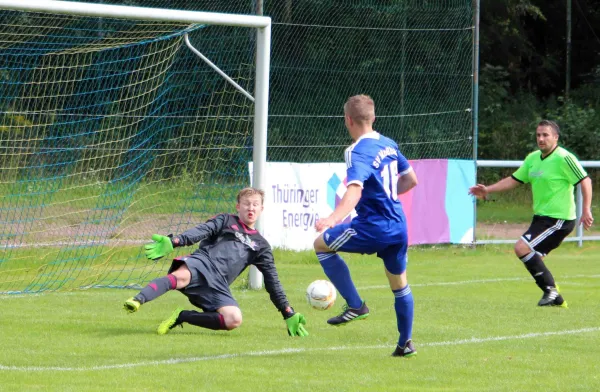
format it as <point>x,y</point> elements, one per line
<point>552,297</point>
<point>131,305</point>
<point>170,322</point>
<point>407,351</point>
<point>349,314</point>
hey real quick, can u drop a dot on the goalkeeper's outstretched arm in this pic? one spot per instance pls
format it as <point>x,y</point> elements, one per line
<point>266,265</point>
<point>295,321</point>
<point>163,245</point>
<point>205,230</point>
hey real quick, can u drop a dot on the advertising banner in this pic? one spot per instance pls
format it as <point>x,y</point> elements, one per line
<point>438,209</point>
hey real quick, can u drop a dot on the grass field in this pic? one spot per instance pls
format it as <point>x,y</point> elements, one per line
<point>477,328</point>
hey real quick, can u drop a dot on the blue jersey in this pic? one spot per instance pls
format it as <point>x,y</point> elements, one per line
<point>374,162</point>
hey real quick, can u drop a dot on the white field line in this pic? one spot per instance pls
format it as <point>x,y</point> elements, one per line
<point>476,281</point>
<point>175,361</point>
<point>432,284</point>
<point>570,283</point>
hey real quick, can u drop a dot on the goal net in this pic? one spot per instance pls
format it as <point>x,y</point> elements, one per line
<point>112,130</point>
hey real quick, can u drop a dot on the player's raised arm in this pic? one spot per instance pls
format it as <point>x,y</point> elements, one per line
<point>205,230</point>
<point>162,245</point>
<point>520,176</point>
<point>481,191</point>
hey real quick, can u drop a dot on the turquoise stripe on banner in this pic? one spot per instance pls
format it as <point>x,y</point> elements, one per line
<point>459,205</point>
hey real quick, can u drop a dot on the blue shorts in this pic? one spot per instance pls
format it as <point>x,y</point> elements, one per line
<point>354,237</point>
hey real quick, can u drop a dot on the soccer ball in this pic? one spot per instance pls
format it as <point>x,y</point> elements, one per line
<point>321,294</point>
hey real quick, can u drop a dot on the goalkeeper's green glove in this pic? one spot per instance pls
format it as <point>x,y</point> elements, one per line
<point>295,325</point>
<point>161,246</point>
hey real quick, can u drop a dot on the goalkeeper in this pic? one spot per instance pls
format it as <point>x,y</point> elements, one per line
<point>228,244</point>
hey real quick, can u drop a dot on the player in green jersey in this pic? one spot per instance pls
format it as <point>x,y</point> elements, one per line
<point>552,172</point>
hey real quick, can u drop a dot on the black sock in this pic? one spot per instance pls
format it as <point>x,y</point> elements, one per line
<point>210,320</point>
<point>157,288</point>
<point>538,270</point>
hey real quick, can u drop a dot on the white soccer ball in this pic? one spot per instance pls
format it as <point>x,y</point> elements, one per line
<point>321,294</point>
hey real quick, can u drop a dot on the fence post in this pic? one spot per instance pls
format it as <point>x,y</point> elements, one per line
<point>579,209</point>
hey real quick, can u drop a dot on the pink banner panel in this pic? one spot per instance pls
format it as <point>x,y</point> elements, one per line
<point>425,205</point>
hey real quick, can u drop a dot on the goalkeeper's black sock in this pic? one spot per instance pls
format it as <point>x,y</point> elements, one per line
<point>156,288</point>
<point>210,320</point>
<point>538,270</point>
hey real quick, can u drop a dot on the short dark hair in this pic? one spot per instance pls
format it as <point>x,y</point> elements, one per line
<point>551,124</point>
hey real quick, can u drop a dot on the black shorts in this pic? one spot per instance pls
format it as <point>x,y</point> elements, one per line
<point>546,234</point>
<point>206,291</point>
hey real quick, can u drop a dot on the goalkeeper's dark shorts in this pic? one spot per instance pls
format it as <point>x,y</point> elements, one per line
<point>207,291</point>
<point>546,234</point>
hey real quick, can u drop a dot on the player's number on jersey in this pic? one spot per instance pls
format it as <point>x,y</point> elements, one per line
<point>389,174</point>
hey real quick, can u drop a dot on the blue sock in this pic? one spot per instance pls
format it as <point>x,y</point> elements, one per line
<point>338,273</point>
<point>405,308</point>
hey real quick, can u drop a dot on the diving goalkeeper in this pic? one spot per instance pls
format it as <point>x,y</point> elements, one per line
<point>228,244</point>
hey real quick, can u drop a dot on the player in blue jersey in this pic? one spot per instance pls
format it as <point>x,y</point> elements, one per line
<point>377,173</point>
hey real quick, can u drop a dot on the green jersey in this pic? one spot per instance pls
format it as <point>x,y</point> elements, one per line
<point>552,182</point>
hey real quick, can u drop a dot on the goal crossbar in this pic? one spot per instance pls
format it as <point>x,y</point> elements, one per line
<point>139,13</point>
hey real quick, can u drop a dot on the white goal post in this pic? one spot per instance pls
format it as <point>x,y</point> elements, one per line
<point>262,25</point>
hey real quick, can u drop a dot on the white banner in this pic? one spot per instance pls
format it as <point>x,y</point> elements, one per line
<point>296,196</point>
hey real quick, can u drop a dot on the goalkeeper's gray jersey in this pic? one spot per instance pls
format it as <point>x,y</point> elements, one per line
<point>227,247</point>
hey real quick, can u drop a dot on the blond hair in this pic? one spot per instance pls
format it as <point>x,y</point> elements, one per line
<point>247,192</point>
<point>360,108</point>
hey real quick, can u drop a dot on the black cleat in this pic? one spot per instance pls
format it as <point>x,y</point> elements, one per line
<point>552,298</point>
<point>349,314</point>
<point>407,351</point>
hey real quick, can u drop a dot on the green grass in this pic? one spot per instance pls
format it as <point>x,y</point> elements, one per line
<point>504,211</point>
<point>64,201</point>
<point>464,299</point>
<point>514,206</point>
